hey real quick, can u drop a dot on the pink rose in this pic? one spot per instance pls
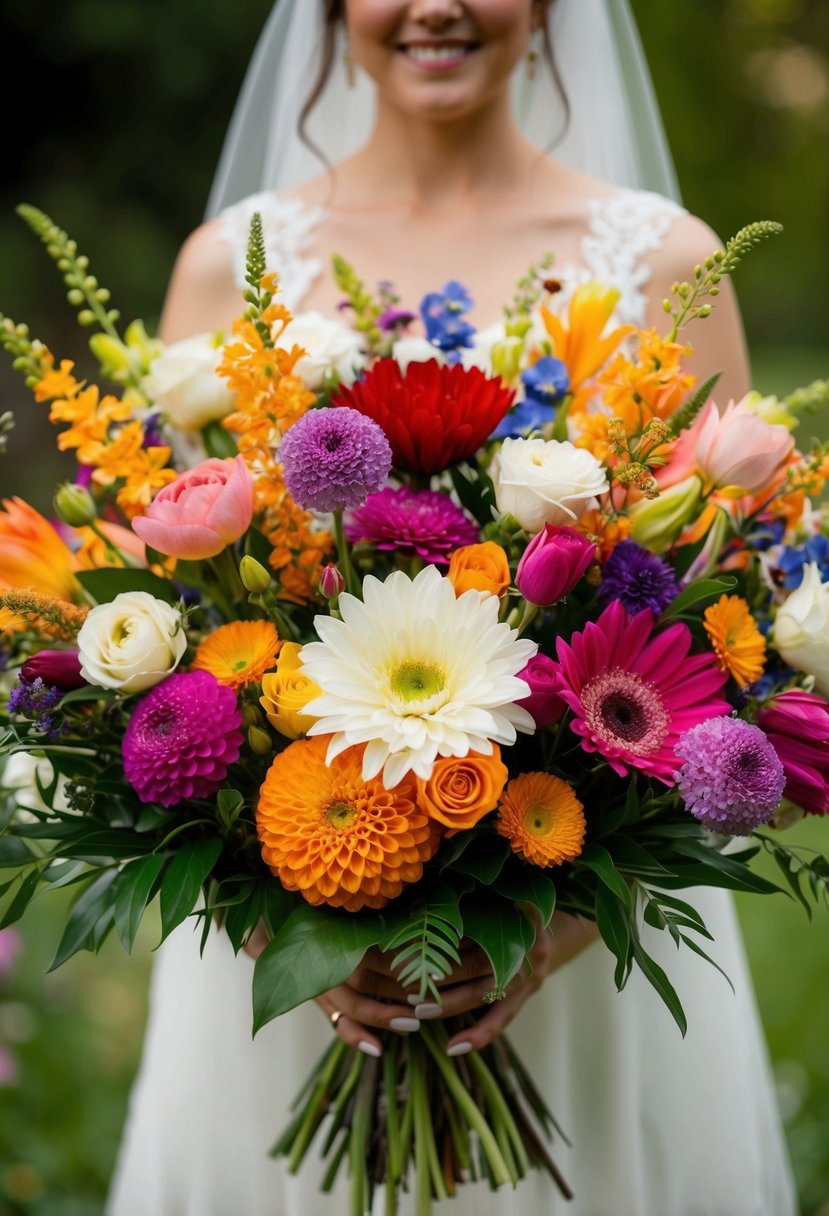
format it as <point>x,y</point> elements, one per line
<point>552,563</point>
<point>543,704</point>
<point>201,512</point>
<point>734,447</point>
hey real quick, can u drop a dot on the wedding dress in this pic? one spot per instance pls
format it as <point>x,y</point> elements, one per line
<point>660,1125</point>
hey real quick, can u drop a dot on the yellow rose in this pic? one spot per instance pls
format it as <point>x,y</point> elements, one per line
<point>286,692</point>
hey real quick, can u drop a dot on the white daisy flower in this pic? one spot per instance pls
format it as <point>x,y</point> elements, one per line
<point>416,673</point>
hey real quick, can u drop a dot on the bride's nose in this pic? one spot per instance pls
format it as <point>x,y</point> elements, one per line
<point>435,13</point>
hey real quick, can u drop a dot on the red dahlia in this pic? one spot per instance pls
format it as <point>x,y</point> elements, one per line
<point>433,415</point>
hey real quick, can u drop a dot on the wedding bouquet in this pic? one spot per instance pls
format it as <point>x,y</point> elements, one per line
<point>398,641</point>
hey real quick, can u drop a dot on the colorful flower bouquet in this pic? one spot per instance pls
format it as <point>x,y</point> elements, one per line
<point>391,641</point>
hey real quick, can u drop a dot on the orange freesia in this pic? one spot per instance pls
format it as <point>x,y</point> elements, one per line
<point>32,553</point>
<point>579,343</point>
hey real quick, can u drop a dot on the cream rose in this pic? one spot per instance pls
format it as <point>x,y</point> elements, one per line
<point>332,348</point>
<point>184,384</point>
<point>415,349</point>
<point>131,643</point>
<point>544,481</point>
<point>801,628</point>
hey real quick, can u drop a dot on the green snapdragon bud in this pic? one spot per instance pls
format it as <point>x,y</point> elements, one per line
<point>255,578</point>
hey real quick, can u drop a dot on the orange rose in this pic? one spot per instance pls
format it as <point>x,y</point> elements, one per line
<point>462,790</point>
<point>482,567</point>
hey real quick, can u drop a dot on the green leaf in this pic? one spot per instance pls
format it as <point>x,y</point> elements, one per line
<point>13,852</point>
<point>483,859</point>
<point>684,909</point>
<point>183,879</point>
<point>501,930</point>
<point>22,898</point>
<point>697,592</point>
<point>728,866</point>
<point>697,949</point>
<point>597,859</point>
<point>613,924</point>
<point>654,974</point>
<point>89,920</point>
<point>530,886</point>
<point>104,585</point>
<point>218,441</point>
<point>314,950</point>
<point>229,805</point>
<point>629,855</point>
<point>135,885</point>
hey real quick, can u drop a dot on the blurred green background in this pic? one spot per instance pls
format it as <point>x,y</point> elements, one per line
<point>115,132</point>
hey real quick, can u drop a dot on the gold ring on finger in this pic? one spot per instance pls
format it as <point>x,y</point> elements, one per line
<point>335,1016</point>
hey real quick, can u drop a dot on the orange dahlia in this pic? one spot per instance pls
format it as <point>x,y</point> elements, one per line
<point>239,653</point>
<point>336,838</point>
<point>735,639</point>
<point>542,819</point>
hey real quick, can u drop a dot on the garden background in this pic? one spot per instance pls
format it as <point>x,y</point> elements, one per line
<point>114,132</point>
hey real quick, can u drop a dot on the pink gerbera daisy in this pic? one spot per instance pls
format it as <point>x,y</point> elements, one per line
<point>634,693</point>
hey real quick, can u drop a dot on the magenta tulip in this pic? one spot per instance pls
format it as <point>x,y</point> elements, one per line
<point>797,725</point>
<point>552,563</point>
<point>57,668</point>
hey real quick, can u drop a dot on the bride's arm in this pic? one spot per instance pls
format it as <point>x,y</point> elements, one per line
<point>202,295</point>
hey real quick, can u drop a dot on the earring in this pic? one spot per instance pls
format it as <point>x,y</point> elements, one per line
<point>350,69</point>
<point>532,60</point>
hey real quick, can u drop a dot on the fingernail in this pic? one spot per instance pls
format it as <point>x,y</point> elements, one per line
<point>459,1049</point>
<point>413,998</point>
<point>428,1010</point>
<point>369,1049</point>
<point>405,1024</point>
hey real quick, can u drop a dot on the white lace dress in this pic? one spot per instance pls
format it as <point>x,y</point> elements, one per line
<point>660,1125</point>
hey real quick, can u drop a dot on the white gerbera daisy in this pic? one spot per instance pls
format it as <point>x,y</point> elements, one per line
<point>416,673</point>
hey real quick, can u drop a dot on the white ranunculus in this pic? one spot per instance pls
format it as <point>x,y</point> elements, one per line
<point>543,481</point>
<point>333,348</point>
<point>801,628</point>
<point>415,350</point>
<point>131,643</point>
<point>184,384</point>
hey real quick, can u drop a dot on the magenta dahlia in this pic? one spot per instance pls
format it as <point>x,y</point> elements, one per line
<point>181,739</point>
<point>634,693</point>
<point>797,726</point>
<point>421,523</point>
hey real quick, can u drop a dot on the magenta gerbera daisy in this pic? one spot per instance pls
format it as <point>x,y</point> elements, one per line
<point>181,738</point>
<point>421,523</point>
<point>633,692</point>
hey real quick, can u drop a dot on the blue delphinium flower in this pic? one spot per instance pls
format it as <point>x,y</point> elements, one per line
<point>794,558</point>
<point>638,578</point>
<point>546,381</point>
<point>443,313</point>
<point>528,415</point>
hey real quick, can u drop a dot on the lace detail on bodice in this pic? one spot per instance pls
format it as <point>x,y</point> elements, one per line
<point>288,226</point>
<point>623,229</point>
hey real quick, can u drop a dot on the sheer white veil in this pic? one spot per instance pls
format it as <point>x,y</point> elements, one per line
<point>614,131</point>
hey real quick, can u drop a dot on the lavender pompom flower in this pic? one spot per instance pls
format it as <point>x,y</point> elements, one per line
<point>334,458</point>
<point>421,523</point>
<point>638,578</point>
<point>182,738</point>
<point>732,779</point>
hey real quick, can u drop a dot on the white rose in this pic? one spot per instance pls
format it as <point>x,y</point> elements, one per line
<point>184,384</point>
<point>415,350</point>
<point>801,628</point>
<point>332,348</point>
<point>543,481</point>
<point>131,643</point>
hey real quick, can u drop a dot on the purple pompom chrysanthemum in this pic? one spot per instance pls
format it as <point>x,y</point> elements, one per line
<point>732,779</point>
<point>638,578</point>
<point>334,458</point>
<point>424,523</point>
<point>181,739</point>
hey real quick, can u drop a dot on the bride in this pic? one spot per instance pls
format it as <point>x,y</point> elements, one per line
<point>412,138</point>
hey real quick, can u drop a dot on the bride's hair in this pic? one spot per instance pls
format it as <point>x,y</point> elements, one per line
<point>335,13</point>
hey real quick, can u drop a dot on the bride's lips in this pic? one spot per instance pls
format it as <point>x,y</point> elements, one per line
<point>438,56</point>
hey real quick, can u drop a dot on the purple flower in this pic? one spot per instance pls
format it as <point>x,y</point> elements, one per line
<point>553,562</point>
<point>422,523</point>
<point>395,318</point>
<point>334,458</point>
<point>443,313</point>
<point>37,701</point>
<point>182,738</point>
<point>732,779</point>
<point>638,578</point>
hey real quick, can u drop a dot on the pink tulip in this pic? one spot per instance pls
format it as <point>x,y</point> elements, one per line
<point>201,512</point>
<point>731,447</point>
<point>797,724</point>
<point>57,668</point>
<point>552,563</point>
<point>543,704</point>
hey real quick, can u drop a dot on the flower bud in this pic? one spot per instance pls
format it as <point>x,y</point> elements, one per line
<point>57,668</point>
<point>506,358</point>
<point>255,578</point>
<point>75,505</point>
<point>259,741</point>
<point>331,582</point>
<point>553,562</point>
<point>656,522</point>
